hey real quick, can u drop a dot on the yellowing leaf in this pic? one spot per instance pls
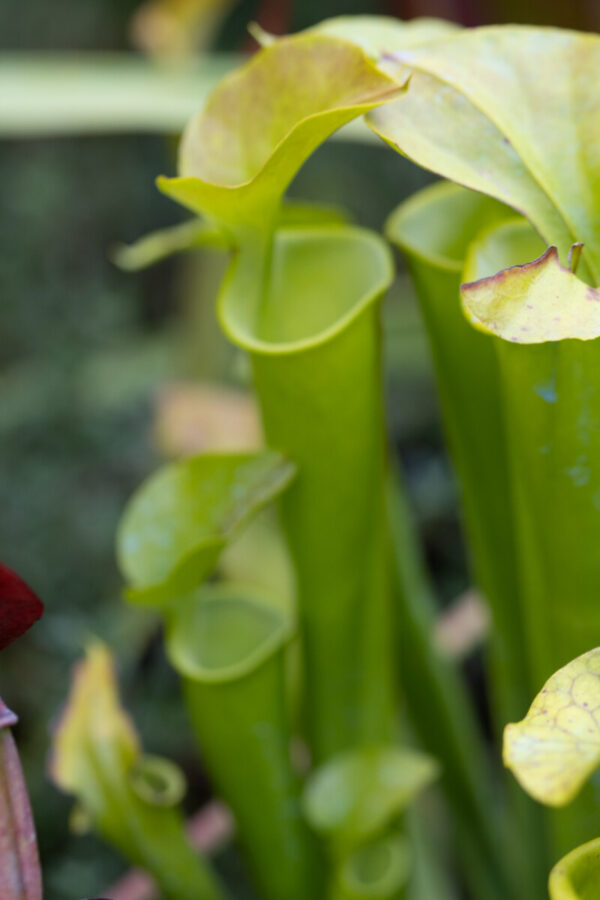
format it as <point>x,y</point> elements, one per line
<point>130,799</point>
<point>533,303</point>
<point>556,747</point>
<point>384,34</point>
<point>239,154</point>
<point>511,112</point>
<point>93,728</point>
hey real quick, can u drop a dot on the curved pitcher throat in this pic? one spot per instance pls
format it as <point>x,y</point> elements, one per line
<point>302,288</point>
<point>224,634</point>
<point>228,644</point>
<point>313,334</point>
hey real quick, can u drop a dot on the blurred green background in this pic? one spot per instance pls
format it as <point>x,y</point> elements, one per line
<point>85,348</point>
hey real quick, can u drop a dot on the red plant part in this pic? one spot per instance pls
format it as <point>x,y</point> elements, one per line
<point>20,876</point>
<point>19,606</point>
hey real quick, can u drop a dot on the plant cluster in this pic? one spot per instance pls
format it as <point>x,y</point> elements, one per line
<point>314,652</point>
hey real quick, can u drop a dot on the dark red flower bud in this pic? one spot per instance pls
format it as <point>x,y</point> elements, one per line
<point>19,606</point>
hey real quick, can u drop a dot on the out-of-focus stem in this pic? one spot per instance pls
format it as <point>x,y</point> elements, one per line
<point>20,875</point>
<point>440,710</point>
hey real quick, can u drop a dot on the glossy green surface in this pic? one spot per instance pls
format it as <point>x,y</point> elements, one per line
<point>434,230</point>
<point>552,424</point>
<point>441,710</point>
<point>549,395</point>
<point>477,114</point>
<point>577,876</point>
<point>229,649</point>
<point>301,296</point>
<point>314,341</point>
<point>505,111</point>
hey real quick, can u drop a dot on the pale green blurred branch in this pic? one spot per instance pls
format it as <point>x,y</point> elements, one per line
<point>49,95</point>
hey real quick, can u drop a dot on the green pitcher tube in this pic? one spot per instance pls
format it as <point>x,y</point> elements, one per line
<point>577,876</point>
<point>442,713</point>
<point>313,335</point>
<point>378,870</point>
<point>155,838</point>
<point>434,229</point>
<point>228,646</point>
<point>550,394</point>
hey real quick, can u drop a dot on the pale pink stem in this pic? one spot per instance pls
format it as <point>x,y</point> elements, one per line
<point>20,875</point>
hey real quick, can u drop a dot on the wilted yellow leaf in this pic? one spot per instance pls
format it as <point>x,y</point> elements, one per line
<point>132,800</point>
<point>540,301</point>
<point>94,731</point>
<point>556,747</point>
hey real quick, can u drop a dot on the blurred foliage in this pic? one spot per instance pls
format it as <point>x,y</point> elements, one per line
<point>85,352</point>
<point>177,27</point>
